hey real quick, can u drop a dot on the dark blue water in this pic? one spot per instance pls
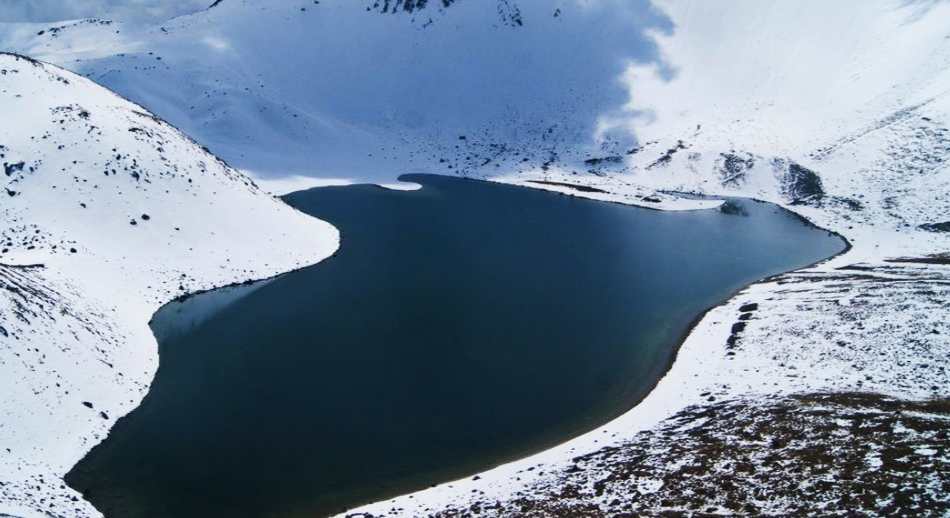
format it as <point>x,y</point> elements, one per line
<point>459,326</point>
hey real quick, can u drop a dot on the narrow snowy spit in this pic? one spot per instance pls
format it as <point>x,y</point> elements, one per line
<point>460,326</point>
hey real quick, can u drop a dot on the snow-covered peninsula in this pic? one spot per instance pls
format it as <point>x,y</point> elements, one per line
<point>108,213</point>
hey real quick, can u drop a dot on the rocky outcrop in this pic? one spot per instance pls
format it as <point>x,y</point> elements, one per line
<point>943,226</point>
<point>800,185</point>
<point>733,167</point>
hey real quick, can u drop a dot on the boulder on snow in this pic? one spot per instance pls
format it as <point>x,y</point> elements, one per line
<point>801,185</point>
<point>936,227</point>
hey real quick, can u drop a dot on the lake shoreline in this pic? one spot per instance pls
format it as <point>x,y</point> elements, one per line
<point>495,481</point>
<point>544,444</point>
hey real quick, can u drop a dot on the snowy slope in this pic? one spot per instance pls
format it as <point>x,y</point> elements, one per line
<point>362,90</point>
<point>107,213</point>
<point>55,10</point>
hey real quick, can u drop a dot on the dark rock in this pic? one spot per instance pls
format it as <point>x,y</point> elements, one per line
<point>9,169</point>
<point>733,168</point>
<point>801,185</point>
<point>850,203</point>
<point>667,156</point>
<point>936,227</point>
<point>745,308</point>
<point>613,159</point>
<point>576,187</point>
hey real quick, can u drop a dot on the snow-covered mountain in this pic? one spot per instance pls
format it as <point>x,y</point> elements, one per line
<point>56,10</point>
<point>354,89</point>
<point>666,95</point>
<point>839,111</point>
<point>107,212</point>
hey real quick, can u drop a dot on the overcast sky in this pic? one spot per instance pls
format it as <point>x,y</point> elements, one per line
<point>137,10</point>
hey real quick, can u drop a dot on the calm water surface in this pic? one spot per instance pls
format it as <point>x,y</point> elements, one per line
<point>459,326</point>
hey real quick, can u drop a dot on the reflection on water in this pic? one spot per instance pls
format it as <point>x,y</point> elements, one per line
<point>182,316</point>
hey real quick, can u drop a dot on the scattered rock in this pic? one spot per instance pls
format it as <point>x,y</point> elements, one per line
<point>733,168</point>
<point>576,187</point>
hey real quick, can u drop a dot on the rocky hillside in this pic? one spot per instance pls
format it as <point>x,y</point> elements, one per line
<point>107,212</point>
<point>783,456</point>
